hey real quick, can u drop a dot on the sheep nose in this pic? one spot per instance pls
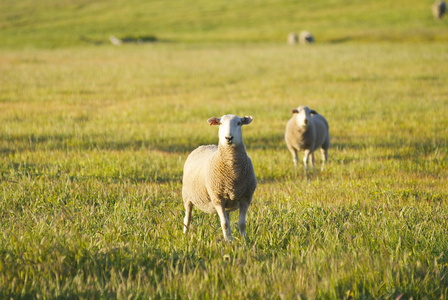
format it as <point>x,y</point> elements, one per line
<point>229,138</point>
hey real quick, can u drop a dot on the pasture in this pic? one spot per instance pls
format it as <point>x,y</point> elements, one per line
<point>93,140</point>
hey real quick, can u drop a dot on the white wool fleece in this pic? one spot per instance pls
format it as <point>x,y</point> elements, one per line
<point>220,178</point>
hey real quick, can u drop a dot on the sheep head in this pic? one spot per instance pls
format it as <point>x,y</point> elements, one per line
<point>302,115</point>
<point>230,133</point>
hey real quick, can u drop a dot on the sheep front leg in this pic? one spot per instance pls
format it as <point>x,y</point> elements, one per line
<point>306,159</point>
<point>295,156</point>
<point>225,222</point>
<point>187,219</point>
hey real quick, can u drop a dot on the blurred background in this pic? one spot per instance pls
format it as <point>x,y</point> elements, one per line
<point>68,23</point>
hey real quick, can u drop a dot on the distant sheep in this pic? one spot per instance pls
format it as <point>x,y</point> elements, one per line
<point>438,9</point>
<point>306,37</point>
<point>132,39</point>
<point>307,131</point>
<point>220,178</point>
<point>115,41</point>
<point>292,39</point>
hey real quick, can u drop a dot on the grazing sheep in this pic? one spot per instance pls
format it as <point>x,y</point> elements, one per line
<point>220,178</point>
<point>306,37</point>
<point>115,41</point>
<point>307,130</point>
<point>438,9</point>
<point>292,39</point>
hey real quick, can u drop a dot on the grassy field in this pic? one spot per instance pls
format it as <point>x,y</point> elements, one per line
<point>67,23</point>
<point>93,140</point>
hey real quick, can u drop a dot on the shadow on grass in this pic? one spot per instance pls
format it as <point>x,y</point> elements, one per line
<point>340,40</point>
<point>265,142</point>
<point>69,142</point>
<point>7,151</point>
<point>425,144</point>
<point>41,171</point>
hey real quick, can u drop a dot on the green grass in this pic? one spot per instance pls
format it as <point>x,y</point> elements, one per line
<point>54,24</point>
<point>93,140</point>
<point>93,143</point>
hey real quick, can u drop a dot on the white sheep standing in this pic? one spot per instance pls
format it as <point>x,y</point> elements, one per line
<point>306,37</point>
<point>292,38</point>
<point>438,9</point>
<point>308,131</point>
<point>220,178</point>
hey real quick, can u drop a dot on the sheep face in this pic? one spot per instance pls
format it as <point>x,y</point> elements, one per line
<point>230,134</point>
<point>302,115</point>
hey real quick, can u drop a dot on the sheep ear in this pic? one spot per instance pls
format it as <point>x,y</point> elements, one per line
<point>246,120</point>
<point>295,111</point>
<point>313,112</point>
<point>214,121</point>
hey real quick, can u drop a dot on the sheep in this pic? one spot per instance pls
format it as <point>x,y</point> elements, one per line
<point>438,9</point>
<point>220,178</point>
<point>306,37</point>
<point>292,38</point>
<point>307,130</point>
<point>115,41</point>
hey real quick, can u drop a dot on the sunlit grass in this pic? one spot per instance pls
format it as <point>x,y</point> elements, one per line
<point>54,24</point>
<point>92,148</point>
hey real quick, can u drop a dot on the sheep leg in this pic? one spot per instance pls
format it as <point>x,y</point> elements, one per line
<point>295,160</point>
<point>295,156</point>
<point>312,159</point>
<point>225,222</point>
<point>242,220</point>
<point>324,153</point>
<point>187,219</point>
<point>305,159</point>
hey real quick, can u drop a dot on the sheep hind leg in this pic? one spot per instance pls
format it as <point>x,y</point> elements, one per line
<point>187,219</point>
<point>225,223</point>
<point>324,154</point>
<point>242,221</point>
<point>313,161</point>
